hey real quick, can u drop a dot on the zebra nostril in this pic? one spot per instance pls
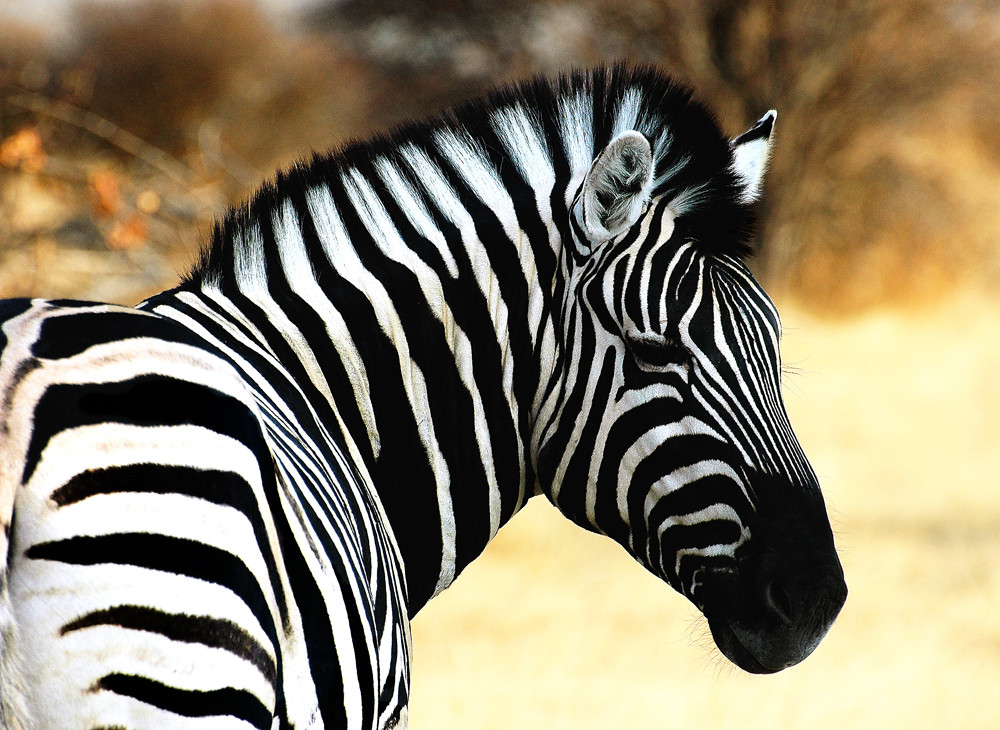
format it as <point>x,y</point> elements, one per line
<point>777,601</point>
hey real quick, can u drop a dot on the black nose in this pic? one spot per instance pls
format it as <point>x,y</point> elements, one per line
<point>777,602</point>
<point>776,614</point>
<point>795,591</point>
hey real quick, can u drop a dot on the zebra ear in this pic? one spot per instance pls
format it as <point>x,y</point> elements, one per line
<point>751,152</point>
<point>616,188</point>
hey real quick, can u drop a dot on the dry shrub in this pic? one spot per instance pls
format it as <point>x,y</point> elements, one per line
<point>26,62</point>
<point>159,67</point>
<point>214,80</point>
<point>883,184</point>
<point>118,150</point>
<point>882,187</point>
<point>24,56</point>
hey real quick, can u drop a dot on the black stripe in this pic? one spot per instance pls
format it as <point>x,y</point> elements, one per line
<point>701,494</point>
<point>298,456</point>
<point>349,530</point>
<point>205,630</point>
<point>9,309</point>
<point>696,536</point>
<point>618,291</point>
<point>469,307</point>
<point>401,474</point>
<point>573,493</point>
<point>167,554</point>
<point>628,428</point>
<point>509,276</point>
<point>594,280</point>
<point>66,335</point>
<point>668,456</point>
<point>658,264</point>
<point>761,130</point>
<point>234,326</point>
<point>218,487</point>
<point>637,305</point>
<point>291,380</point>
<point>147,400</point>
<point>451,402</point>
<point>317,631</point>
<point>310,325</point>
<point>341,387</point>
<point>190,703</point>
<point>311,437</point>
<point>602,106</point>
<point>350,535</point>
<point>551,438</point>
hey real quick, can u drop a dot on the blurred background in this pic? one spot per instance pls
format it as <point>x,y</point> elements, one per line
<point>126,126</point>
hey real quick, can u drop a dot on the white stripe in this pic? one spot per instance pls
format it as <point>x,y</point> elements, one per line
<point>273,408</point>
<point>251,279</point>
<point>409,201</point>
<point>342,255</point>
<point>576,122</point>
<point>643,447</point>
<point>627,113</point>
<point>295,261</point>
<point>525,143</point>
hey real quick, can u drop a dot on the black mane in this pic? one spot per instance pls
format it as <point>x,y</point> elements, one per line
<point>699,154</point>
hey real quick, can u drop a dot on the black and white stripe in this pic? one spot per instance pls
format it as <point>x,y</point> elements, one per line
<point>223,506</point>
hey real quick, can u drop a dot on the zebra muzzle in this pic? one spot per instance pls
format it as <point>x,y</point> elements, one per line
<point>772,613</point>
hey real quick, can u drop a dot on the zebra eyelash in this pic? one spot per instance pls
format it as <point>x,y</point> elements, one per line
<point>656,352</point>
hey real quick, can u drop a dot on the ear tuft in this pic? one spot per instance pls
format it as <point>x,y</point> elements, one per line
<point>751,152</point>
<point>616,187</point>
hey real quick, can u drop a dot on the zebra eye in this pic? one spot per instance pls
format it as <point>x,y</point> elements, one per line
<point>656,352</point>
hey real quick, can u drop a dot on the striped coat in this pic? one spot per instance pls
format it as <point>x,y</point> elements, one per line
<point>222,507</point>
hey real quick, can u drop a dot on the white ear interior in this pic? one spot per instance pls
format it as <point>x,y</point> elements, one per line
<point>616,187</point>
<point>751,153</point>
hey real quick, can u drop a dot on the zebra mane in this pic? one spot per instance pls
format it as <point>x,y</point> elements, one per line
<point>570,119</point>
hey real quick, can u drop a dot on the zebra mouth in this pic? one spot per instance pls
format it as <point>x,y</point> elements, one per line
<point>729,643</point>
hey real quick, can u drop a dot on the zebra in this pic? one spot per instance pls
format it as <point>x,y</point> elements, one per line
<point>222,507</point>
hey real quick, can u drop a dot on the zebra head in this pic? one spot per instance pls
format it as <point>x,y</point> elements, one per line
<point>666,428</point>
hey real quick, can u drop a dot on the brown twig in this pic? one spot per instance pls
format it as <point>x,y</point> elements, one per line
<point>108,131</point>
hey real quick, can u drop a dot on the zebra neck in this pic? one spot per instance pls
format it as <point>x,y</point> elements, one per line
<point>425,361</point>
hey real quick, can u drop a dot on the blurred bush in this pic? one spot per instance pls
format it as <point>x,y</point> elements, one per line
<point>207,76</point>
<point>883,186</point>
<point>160,71</point>
<point>118,148</point>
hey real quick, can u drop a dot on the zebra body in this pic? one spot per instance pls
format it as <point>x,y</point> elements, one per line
<point>176,514</point>
<point>224,506</point>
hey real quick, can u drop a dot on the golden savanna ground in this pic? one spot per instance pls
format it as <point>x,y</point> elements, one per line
<point>900,415</point>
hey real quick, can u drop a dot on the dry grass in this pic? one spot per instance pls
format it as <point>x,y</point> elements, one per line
<point>900,414</point>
